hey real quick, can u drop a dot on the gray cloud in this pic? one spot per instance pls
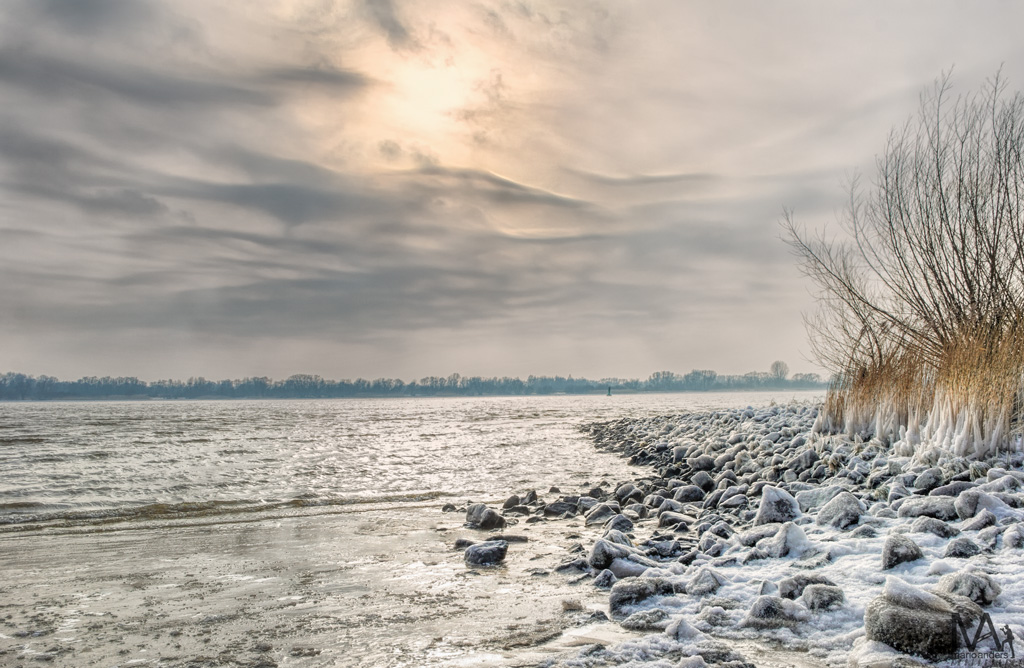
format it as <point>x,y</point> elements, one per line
<point>602,195</point>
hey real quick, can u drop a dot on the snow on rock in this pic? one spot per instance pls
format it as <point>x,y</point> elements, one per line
<point>777,505</point>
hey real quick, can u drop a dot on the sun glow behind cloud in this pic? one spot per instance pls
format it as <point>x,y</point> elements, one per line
<point>405,188</point>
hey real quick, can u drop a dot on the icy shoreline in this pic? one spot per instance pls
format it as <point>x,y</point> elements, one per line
<point>750,532</point>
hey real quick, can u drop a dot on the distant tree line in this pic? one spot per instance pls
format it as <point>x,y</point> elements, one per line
<point>22,387</point>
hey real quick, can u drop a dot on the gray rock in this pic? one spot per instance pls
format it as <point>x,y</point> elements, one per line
<point>480,516</point>
<point>814,498</point>
<point>646,620</point>
<point>899,549</point>
<point>619,523</point>
<point>980,521</point>
<point>953,488</point>
<point>601,513</point>
<point>967,501</point>
<point>463,543</point>
<point>928,480</point>
<point>842,511</point>
<point>701,463</point>
<point>773,612</point>
<point>703,480</point>
<point>634,590</point>
<point>605,579</point>
<point>963,548</point>
<point>864,531</point>
<point>793,587</point>
<point>750,537</point>
<point>688,494</point>
<point>670,519</point>
<point>939,507</point>
<point>510,501</point>
<point>707,581</point>
<point>978,587</point>
<point>604,551</point>
<point>777,505</point>
<point>934,526</point>
<point>823,597</point>
<point>1014,537</point>
<point>789,540</point>
<point>487,553</point>
<point>914,621</point>
<point>560,508</point>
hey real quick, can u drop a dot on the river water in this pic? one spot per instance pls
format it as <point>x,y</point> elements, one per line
<point>296,533</point>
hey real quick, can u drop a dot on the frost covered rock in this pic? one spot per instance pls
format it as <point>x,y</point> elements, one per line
<point>777,505</point>
<point>601,513</point>
<point>789,541</point>
<point>793,587</point>
<point>750,537</point>
<point>774,612</point>
<point>978,587</point>
<point>982,520</point>
<point>823,597</point>
<point>683,631</point>
<point>486,553</point>
<point>929,479</point>
<point>939,507</point>
<point>605,579</point>
<point>842,511</point>
<point>604,551</point>
<point>899,549</point>
<point>912,620</point>
<point>1014,537</point>
<point>933,526</point>
<point>701,463</point>
<point>635,590</point>
<point>480,516</point>
<point>809,499</point>
<point>707,581</point>
<point>672,519</point>
<point>703,480</point>
<point>646,620</point>
<point>619,523</point>
<point>963,548</point>
<point>970,502</point>
<point>688,494</point>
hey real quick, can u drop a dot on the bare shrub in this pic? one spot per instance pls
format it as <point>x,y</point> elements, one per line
<point>921,314</point>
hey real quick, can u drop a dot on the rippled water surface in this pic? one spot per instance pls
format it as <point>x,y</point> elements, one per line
<point>290,532</point>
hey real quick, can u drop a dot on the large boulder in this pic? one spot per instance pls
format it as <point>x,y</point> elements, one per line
<point>842,511</point>
<point>899,549</point>
<point>777,505</point>
<point>480,516</point>
<point>912,620</point>
<point>488,553</point>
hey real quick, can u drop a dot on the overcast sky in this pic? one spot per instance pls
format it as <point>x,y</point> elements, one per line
<point>410,187</point>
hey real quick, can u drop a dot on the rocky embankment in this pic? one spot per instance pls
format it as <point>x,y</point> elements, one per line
<point>748,529</point>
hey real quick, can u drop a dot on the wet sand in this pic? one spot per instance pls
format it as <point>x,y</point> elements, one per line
<point>373,588</point>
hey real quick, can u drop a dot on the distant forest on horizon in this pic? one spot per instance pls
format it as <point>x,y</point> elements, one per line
<point>22,387</point>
